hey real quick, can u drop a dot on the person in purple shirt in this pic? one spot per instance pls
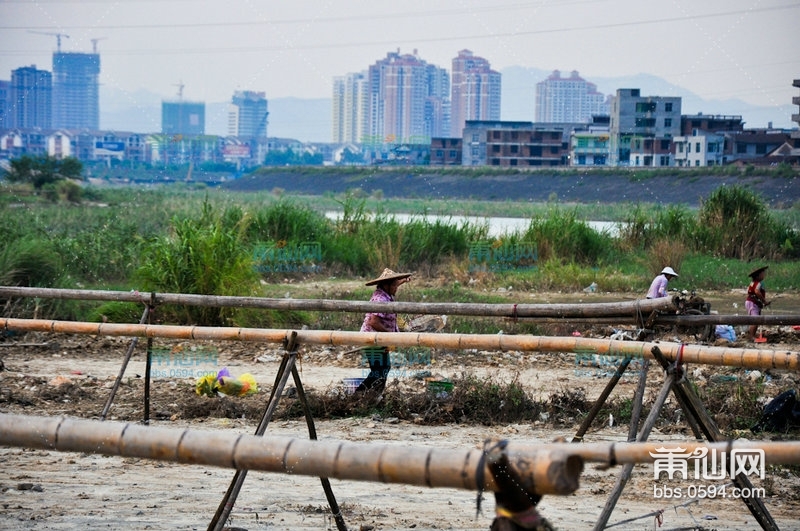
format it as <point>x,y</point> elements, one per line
<point>378,357</point>
<point>658,288</point>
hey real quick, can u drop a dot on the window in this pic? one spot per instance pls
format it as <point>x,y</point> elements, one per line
<point>476,137</point>
<point>697,147</point>
<point>668,121</point>
<point>697,162</point>
<point>495,148</point>
<point>688,147</point>
<point>514,148</point>
<point>741,149</point>
<point>665,145</point>
<point>439,153</point>
<point>646,106</point>
<point>453,153</point>
<point>668,107</point>
<point>761,149</point>
<point>680,147</point>
<point>581,160</point>
<point>645,122</point>
<point>664,160</point>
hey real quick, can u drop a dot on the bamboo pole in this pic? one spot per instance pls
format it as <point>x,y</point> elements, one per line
<point>721,356</point>
<point>549,471</point>
<point>715,319</point>
<point>382,462</point>
<point>622,308</point>
<point>683,320</point>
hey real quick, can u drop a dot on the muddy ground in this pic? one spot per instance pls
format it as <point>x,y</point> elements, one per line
<point>72,375</point>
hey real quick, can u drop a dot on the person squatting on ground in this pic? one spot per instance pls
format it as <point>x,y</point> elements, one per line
<point>756,297</point>
<point>378,357</point>
<point>658,288</point>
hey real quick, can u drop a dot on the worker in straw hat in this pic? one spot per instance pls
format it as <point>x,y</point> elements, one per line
<point>378,357</point>
<point>658,288</point>
<point>756,297</point>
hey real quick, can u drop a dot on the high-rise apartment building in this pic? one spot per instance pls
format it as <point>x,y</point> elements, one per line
<point>183,118</point>
<point>475,92</point>
<point>403,106</point>
<point>641,128</point>
<point>568,99</point>
<point>247,115</point>
<point>350,108</point>
<point>4,89</point>
<point>30,99</point>
<point>76,100</point>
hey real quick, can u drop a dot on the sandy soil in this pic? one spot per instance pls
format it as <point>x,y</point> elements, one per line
<point>72,375</point>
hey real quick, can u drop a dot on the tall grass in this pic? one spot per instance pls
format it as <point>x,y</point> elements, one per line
<point>564,237</point>
<point>735,223</point>
<point>185,240</point>
<point>203,255</point>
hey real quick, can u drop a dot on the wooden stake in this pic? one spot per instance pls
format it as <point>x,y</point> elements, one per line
<point>124,366</point>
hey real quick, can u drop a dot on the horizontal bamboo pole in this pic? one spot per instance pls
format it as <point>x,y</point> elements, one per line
<point>775,452</point>
<point>715,319</point>
<point>548,471</point>
<point>683,320</point>
<point>626,308</point>
<point>707,355</point>
<point>553,468</point>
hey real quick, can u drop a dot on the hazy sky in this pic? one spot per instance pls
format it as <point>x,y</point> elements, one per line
<point>718,49</point>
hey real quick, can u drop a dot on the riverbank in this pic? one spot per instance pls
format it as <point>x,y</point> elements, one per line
<point>629,187</point>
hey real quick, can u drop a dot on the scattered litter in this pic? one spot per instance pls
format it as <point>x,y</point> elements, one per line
<point>58,381</point>
<point>223,383</point>
<point>351,384</point>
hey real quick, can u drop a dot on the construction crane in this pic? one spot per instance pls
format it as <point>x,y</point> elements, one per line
<point>57,36</point>
<point>94,43</point>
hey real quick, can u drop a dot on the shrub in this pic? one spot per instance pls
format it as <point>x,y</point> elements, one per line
<point>735,223</point>
<point>567,238</point>
<point>206,256</point>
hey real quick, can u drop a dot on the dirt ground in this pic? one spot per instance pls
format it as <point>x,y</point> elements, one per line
<point>72,375</point>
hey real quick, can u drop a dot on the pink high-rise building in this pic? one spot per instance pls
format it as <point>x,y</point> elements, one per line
<point>407,99</point>
<point>475,92</point>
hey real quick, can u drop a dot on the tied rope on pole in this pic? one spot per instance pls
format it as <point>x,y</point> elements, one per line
<point>677,367</point>
<point>515,504</point>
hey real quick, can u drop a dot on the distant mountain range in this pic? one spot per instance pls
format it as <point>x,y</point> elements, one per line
<point>310,120</point>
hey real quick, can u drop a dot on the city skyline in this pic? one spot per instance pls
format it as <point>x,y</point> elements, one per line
<point>718,50</point>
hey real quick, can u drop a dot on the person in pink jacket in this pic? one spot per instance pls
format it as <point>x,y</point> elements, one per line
<point>658,288</point>
<point>378,357</point>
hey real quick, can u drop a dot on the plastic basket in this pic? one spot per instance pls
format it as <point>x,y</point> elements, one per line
<point>440,386</point>
<point>351,384</point>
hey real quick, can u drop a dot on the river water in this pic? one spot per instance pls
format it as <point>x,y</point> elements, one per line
<point>498,226</point>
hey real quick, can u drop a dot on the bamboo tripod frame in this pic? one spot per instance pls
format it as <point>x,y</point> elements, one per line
<point>288,365</point>
<point>750,358</point>
<point>696,416</point>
